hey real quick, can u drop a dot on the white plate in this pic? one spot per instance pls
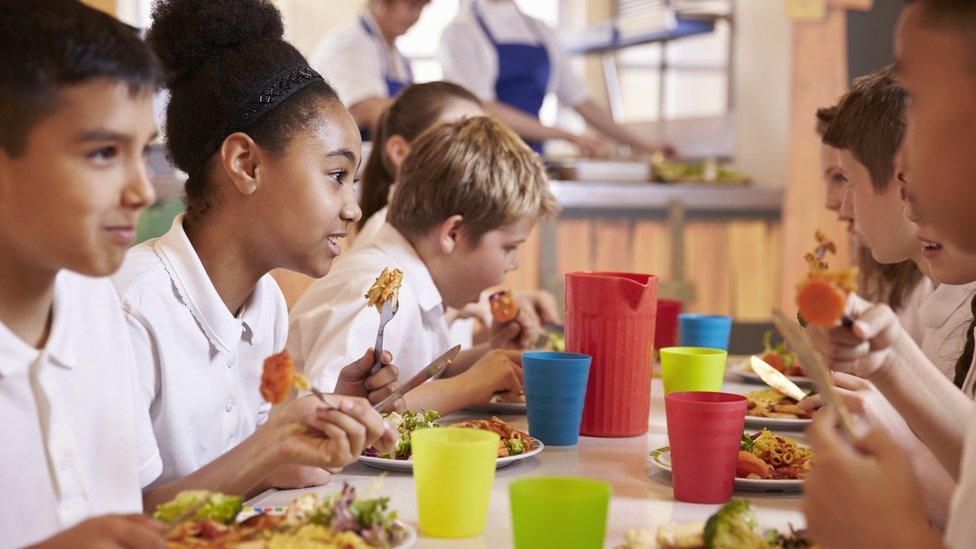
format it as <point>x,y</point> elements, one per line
<point>661,458</point>
<point>408,543</point>
<point>777,423</point>
<point>509,408</point>
<point>739,370</point>
<point>406,465</point>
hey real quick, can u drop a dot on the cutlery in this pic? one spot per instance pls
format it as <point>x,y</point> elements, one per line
<point>432,370</point>
<point>387,312</point>
<point>775,379</point>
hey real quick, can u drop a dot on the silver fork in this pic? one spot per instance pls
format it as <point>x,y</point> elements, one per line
<point>387,312</point>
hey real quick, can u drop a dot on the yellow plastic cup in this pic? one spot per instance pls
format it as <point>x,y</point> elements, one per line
<point>692,369</point>
<point>453,472</point>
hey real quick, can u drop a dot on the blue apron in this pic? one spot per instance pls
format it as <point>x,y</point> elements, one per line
<point>523,73</point>
<point>393,86</point>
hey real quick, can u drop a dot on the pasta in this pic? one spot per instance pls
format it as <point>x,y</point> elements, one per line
<point>786,458</point>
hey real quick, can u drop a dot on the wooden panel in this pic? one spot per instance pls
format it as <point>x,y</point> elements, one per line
<point>110,7</point>
<point>527,276</point>
<point>707,265</point>
<point>574,245</point>
<point>292,284</point>
<point>651,249</point>
<point>751,270</point>
<point>613,245</point>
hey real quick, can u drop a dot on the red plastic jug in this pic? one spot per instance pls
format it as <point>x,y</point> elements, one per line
<point>611,317</point>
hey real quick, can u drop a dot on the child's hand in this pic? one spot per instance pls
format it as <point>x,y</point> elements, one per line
<point>539,307</point>
<point>874,480</point>
<point>514,334</point>
<point>110,532</point>
<point>865,347</point>
<point>355,379</point>
<point>298,476</point>
<point>307,432</point>
<point>495,372</point>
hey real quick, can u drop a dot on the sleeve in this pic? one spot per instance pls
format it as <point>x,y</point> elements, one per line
<point>146,385</point>
<point>464,64</point>
<point>568,87</point>
<point>351,64</point>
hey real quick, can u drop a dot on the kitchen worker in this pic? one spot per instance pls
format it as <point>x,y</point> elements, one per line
<point>361,61</point>
<point>511,62</point>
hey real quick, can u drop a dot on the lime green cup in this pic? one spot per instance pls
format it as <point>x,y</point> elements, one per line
<point>564,512</point>
<point>453,472</point>
<point>692,369</point>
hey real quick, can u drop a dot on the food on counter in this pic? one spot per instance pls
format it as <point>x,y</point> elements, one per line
<point>217,507</point>
<point>405,423</point>
<point>822,295</point>
<point>513,441</point>
<point>503,306</point>
<point>774,404</point>
<point>733,526</point>
<point>779,357</point>
<point>338,521</point>
<point>386,288</point>
<point>766,456</point>
<point>279,376</point>
<point>707,171</point>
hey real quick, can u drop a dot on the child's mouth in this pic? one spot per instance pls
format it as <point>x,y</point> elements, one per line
<point>333,240</point>
<point>930,249</point>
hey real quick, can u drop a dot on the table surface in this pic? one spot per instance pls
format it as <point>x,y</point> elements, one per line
<point>642,495</point>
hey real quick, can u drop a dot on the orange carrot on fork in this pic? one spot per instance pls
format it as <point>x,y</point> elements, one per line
<point>822,296</point>
<point>279,376</point>
<point>503,306</point>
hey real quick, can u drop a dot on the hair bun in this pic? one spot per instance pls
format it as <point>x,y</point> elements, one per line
<point>186,34</point>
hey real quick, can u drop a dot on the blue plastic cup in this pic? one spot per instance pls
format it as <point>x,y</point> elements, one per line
<point>555,387</point>
<point>711,331</point>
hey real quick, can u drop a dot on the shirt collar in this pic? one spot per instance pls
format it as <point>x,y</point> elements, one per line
<point>391,242</point>
<point>943,303</point>
<point>198,293</point>
<point>58,348</point>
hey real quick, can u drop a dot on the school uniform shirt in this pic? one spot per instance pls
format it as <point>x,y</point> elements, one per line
<point>961,528</point>
<point>909,314</point>
<point>331,325</point>
<point>357,62</point>
<point>76,438</point>
<point>469,58</point>
<point>945,318</point>
<point>199,364</point>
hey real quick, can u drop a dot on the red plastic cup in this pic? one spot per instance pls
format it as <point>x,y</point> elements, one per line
<point>611,316</point>
<point>666,328</point>
<point>704,432</point>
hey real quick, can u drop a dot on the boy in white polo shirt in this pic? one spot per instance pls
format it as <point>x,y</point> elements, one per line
<point>468,195</point>
<point>75,117</point>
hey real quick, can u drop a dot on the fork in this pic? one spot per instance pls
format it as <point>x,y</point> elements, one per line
<point>386,315</point>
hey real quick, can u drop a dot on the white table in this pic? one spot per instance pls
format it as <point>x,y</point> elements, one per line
<point>642,496</point>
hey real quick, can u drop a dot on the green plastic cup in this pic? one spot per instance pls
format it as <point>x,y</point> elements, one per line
<point>564,512</point>
<point>692,369</point>
<point>453,472</point>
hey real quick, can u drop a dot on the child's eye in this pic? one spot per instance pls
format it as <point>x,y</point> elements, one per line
<point>104,153</point>
<point>339,176</point>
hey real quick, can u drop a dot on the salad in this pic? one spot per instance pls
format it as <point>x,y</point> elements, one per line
<point>405,423</point>
<point>779,357</point>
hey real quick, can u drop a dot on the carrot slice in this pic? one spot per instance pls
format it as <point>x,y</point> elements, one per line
<point>276,379</point>
<point>820,302</point>
<point>503,306</point>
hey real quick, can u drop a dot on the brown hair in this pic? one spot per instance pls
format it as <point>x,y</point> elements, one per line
<point>477,168</point>
<point>870,123</point>
<point>891,284</point>
<point>824,116</point>
<point>414,110</point>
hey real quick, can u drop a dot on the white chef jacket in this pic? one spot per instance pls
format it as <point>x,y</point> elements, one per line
<point>331,326</point>
<point>77,439</point>
<point>470,60</point>
<point>945,317</point>
<point>200,365</point>
<point>355,63</point>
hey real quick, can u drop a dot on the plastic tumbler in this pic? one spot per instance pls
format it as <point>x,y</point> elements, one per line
<point>453,471</point>
<point>666,327</point>
<point>705,330</point>
<point>704,432</point>
<point>692,369</point>
<point>564,512</point>
<point>555,387</point>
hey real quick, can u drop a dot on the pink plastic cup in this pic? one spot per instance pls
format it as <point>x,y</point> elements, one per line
<point>666,327</point>
<point>704,431</point>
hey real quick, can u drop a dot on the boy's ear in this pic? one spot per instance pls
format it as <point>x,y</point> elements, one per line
<point>239,156</point>
<point>449,234</point>
<point>397,149</point>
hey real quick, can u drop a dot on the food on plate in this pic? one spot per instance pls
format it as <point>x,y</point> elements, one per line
<point>779,357</point>
<point>405,423</point>
<point>555,341</point>
<point>217,507</point>
<point>279,376</point>
<point>769,456</point>
<point>513,441</point>
<point>822,295</point>
<point>733,526</point>
<point>386,288</point>
<point>503,306</point>
<point>508,397</point>
<point>338,521</point>
<point>774,404</point>
<point>708,171</point>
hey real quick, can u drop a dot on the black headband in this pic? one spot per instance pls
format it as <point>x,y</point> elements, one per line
<point>269,95</point>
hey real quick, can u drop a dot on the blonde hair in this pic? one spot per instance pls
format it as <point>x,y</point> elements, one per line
<point>476,168</point>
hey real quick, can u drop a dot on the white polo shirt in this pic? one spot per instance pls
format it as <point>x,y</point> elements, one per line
<point>200,365</point>
<point>355,63</point>
<point>76,437</point>
<point>909,315</point>
<point>331,325</point>
<point>470,60</point>
<point>961,528</point>
<point>945,318</point>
